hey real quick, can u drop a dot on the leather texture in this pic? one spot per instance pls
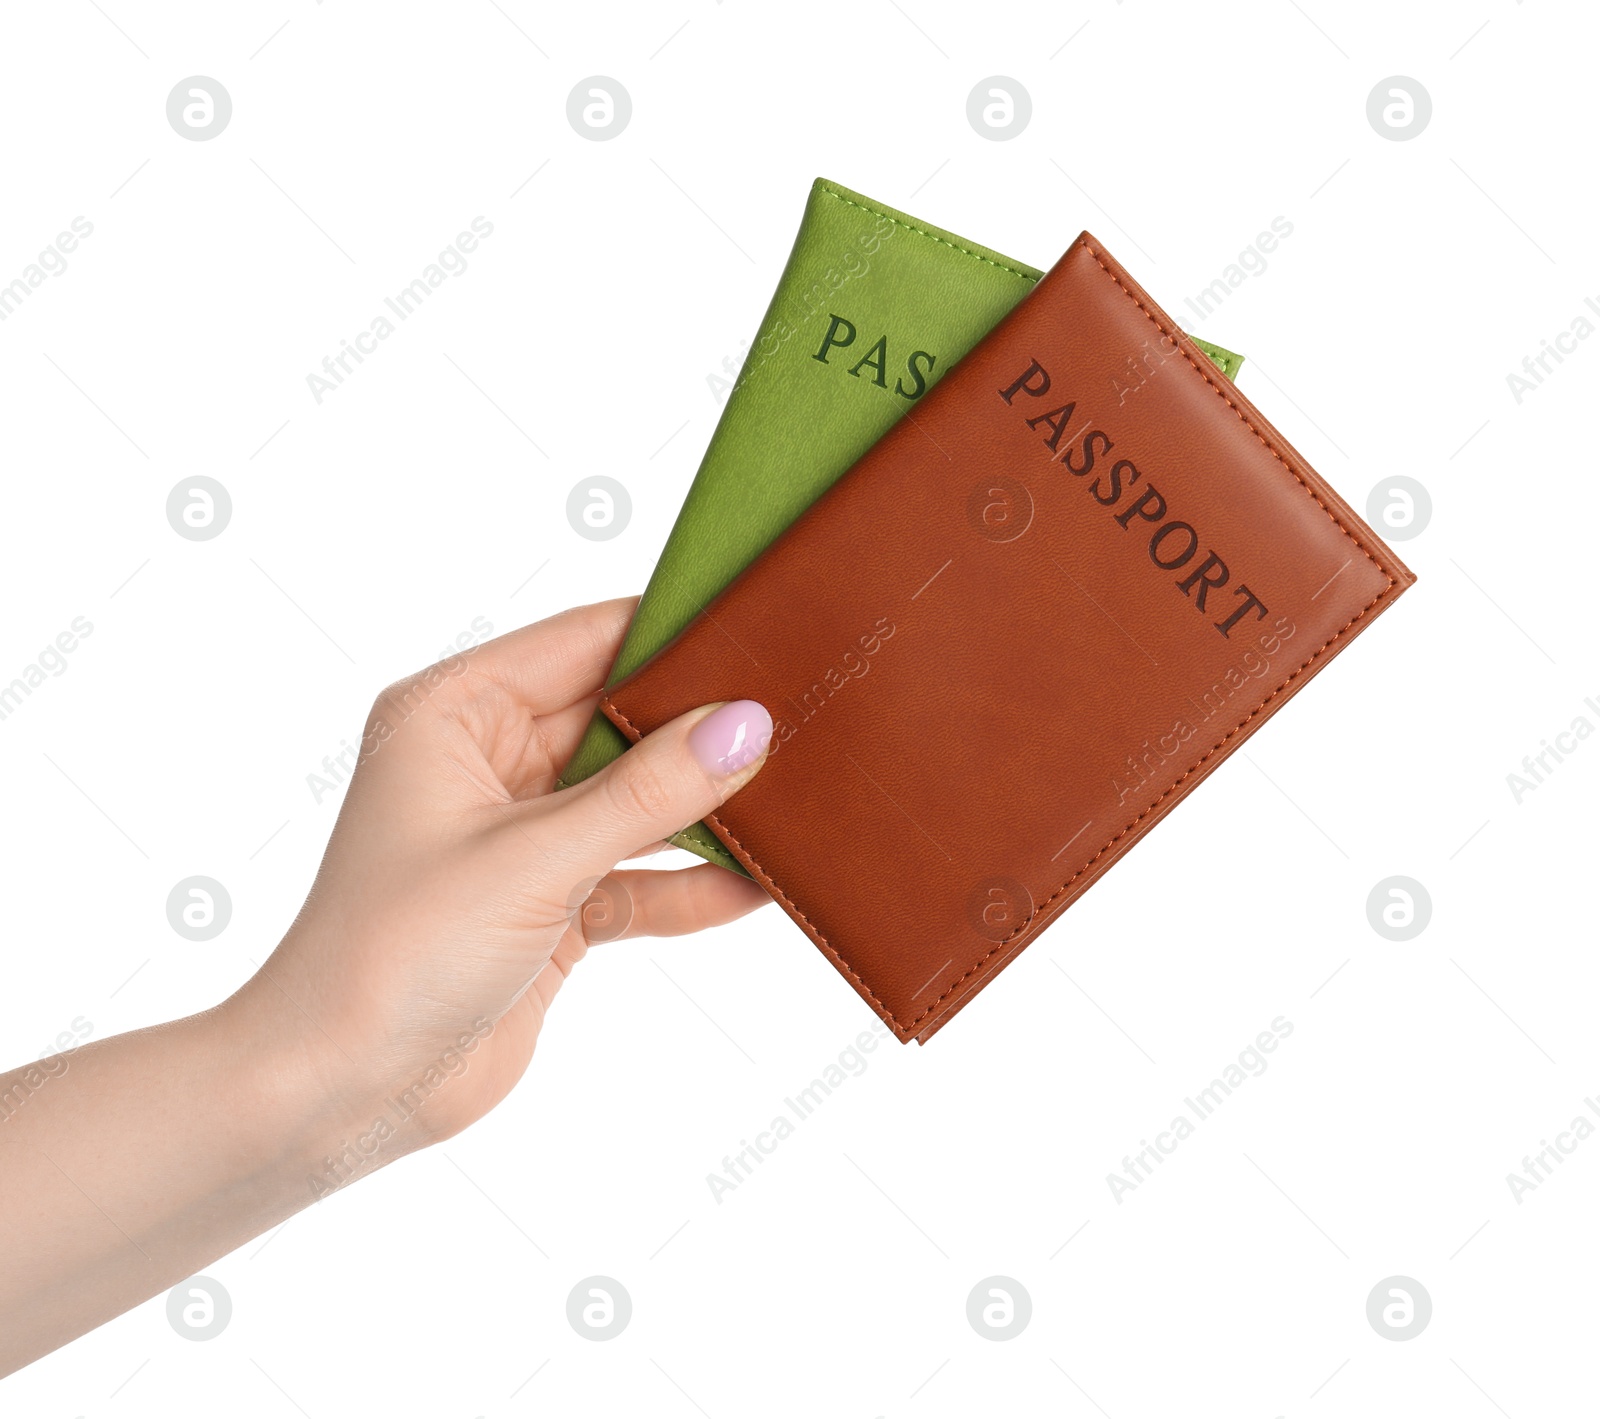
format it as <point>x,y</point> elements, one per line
<point>1014,636</point>
<point>873,308</point>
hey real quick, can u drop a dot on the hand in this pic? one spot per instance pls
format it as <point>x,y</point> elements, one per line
<point>446,913</point>
<point>403,1003</point>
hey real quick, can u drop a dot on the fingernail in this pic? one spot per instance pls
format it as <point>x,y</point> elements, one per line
<point>732,737</point>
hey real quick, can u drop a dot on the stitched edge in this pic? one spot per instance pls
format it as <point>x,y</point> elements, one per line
<point>1238,412</point>
<point>715,845</point>
<point>906,1028</point>
<point>931,236</point>
<point>1229,362</point>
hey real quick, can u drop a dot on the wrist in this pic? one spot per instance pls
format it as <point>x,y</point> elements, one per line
<point>337,1104</point>
<point>309,1098</point>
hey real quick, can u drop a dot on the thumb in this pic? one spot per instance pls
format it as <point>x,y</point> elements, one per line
<point>671,778</point>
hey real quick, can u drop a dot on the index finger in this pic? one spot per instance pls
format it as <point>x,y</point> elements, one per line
<point>555,662</point>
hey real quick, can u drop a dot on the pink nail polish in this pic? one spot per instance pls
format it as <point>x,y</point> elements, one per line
<point>731,738</point>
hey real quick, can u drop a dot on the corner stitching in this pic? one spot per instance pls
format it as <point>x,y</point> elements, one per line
<point>987,261</point>
<point>1165,793</point>
<point>1238,412</point>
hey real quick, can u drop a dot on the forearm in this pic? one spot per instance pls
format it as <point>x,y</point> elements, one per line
<point>131,1163</point>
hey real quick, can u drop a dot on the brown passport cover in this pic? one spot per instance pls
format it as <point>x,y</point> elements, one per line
<point>1032,618</point>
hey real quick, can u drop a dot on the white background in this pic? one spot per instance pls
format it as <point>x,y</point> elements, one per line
<point>427,490</point>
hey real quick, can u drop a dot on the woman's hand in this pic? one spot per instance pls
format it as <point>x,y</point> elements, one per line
<point>403,1003</point>
<point>450,905</point>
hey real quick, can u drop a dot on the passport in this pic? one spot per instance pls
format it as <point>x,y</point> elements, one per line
<point>1021,630</point>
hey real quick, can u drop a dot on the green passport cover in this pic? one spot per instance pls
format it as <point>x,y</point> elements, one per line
<point>872,308</point>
